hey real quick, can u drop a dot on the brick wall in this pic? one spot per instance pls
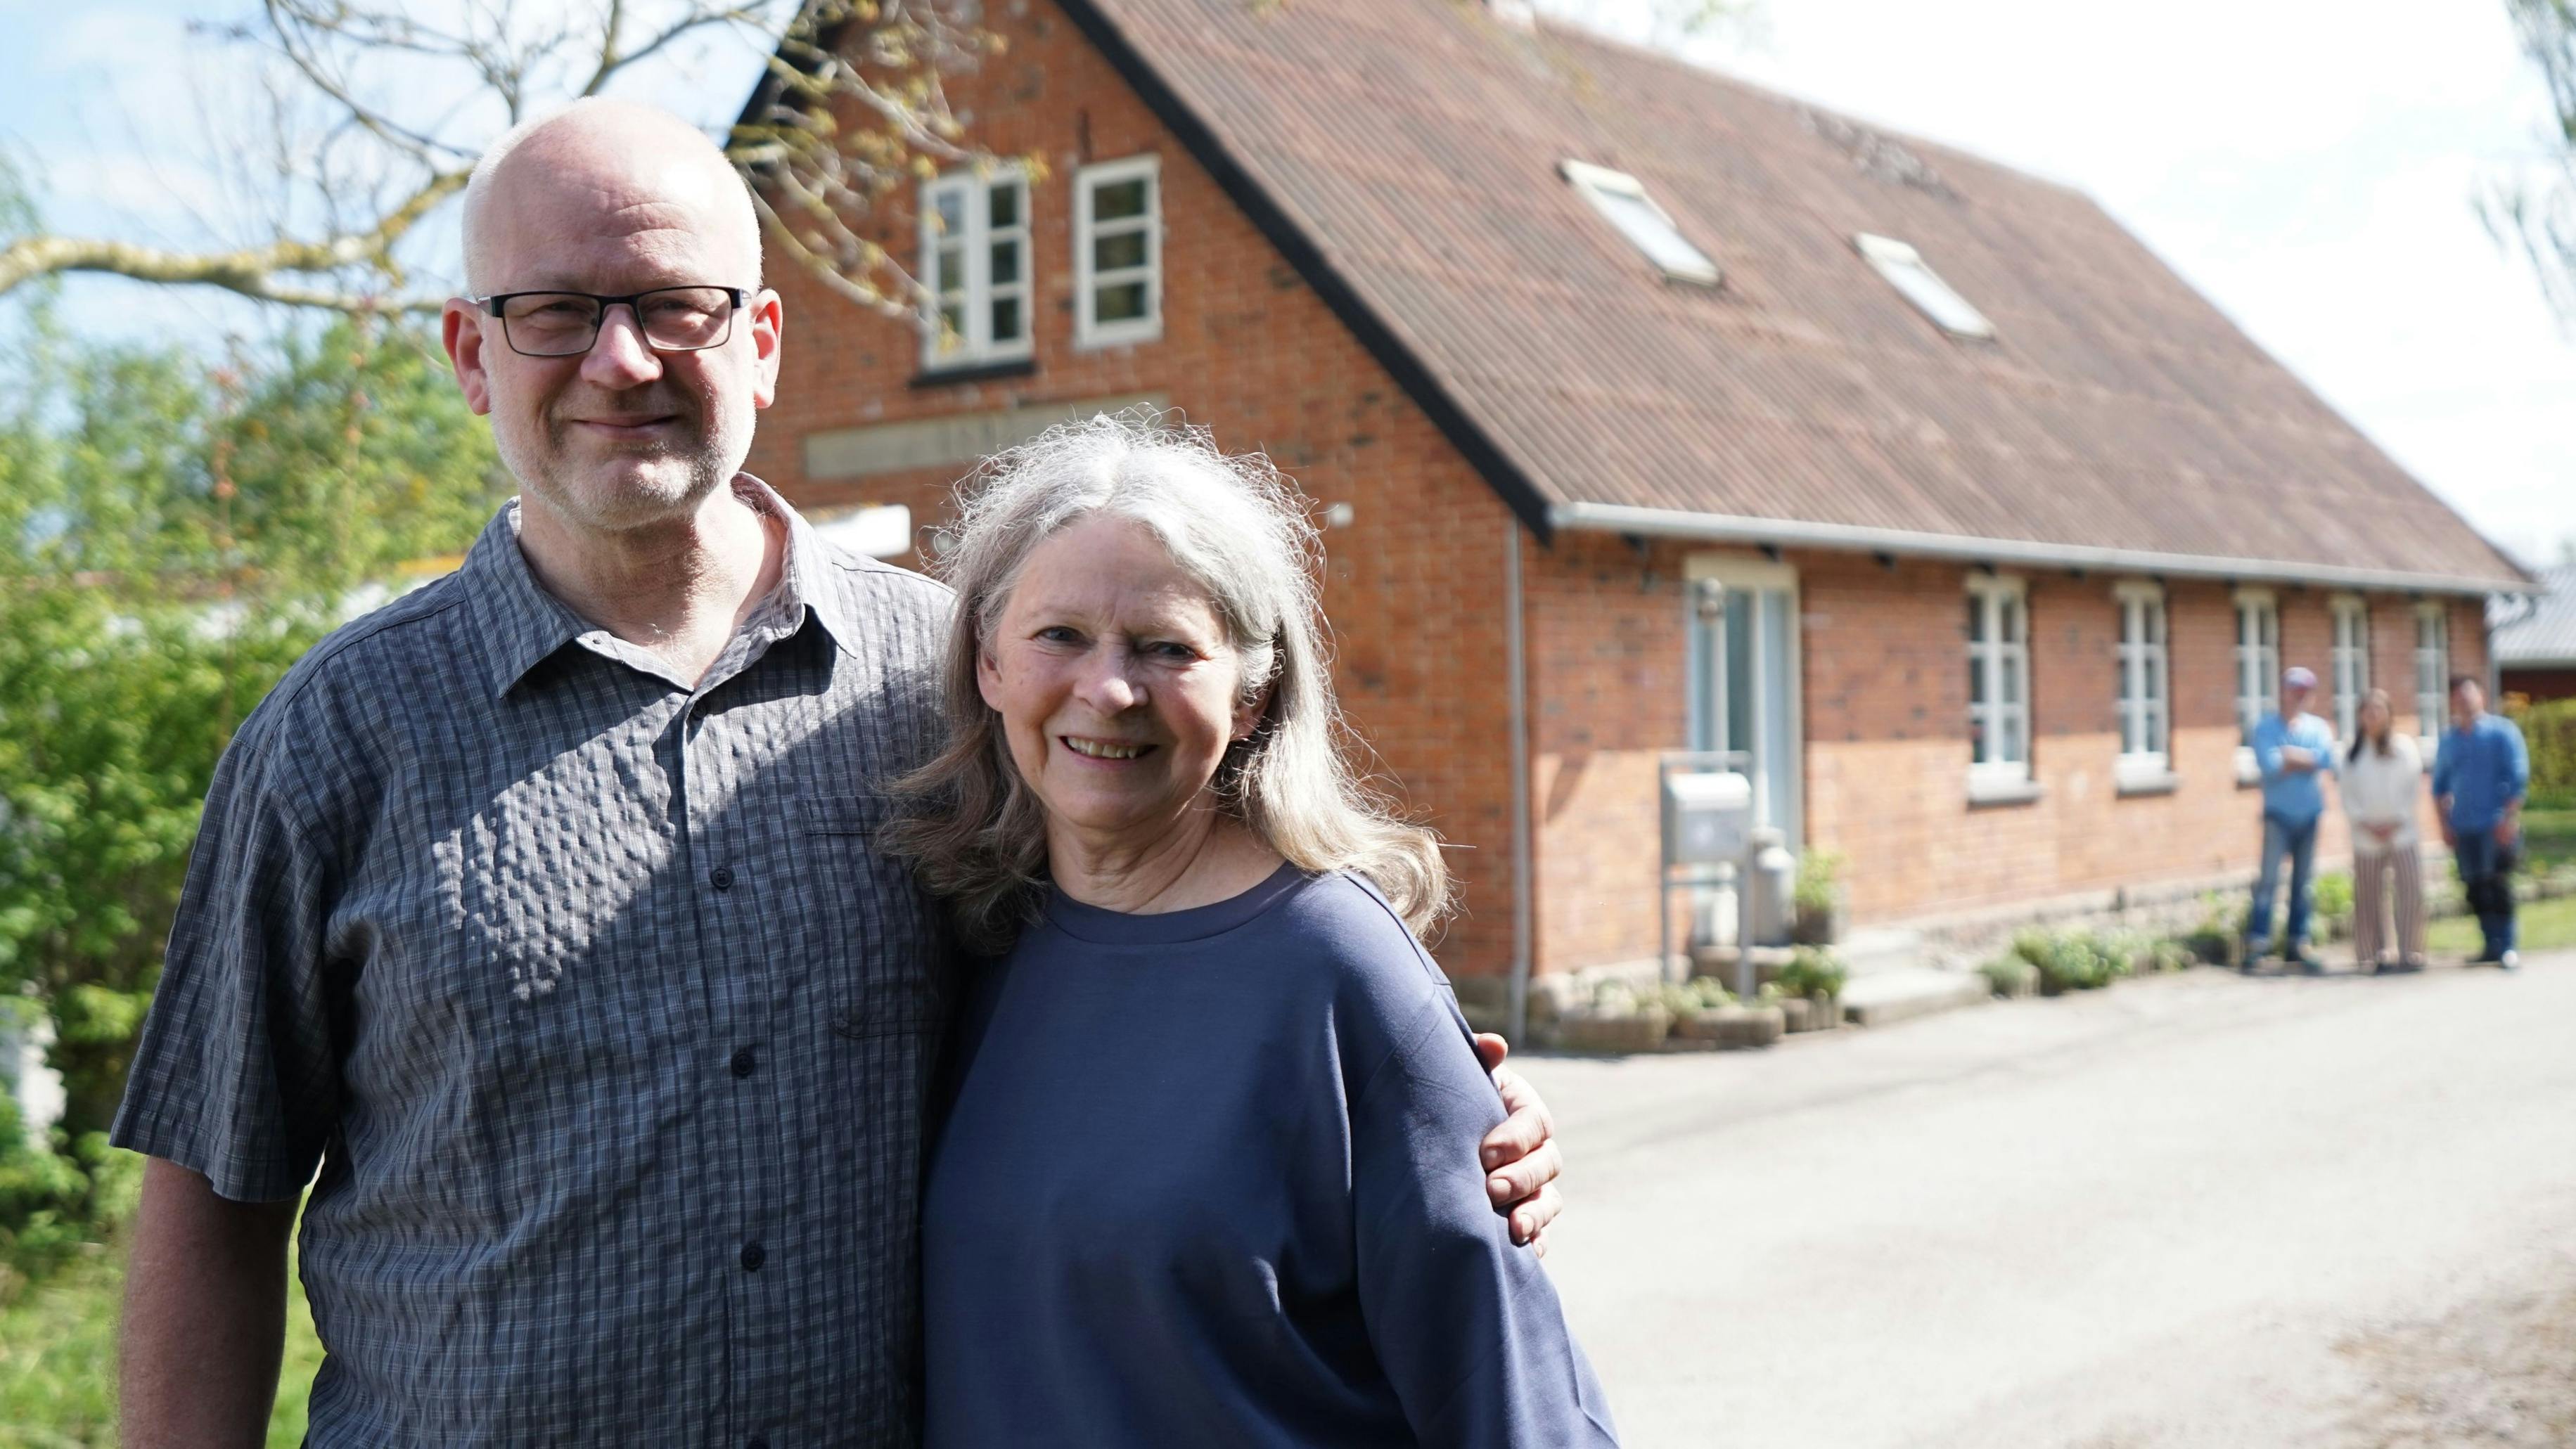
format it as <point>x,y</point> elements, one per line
<point>2541,685</point>
<point>1413,587</point>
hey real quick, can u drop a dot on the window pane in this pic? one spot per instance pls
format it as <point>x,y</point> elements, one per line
<point>1006,319</point>
<point>1118,252</point>
<point>1006,263</point>
<point>1122,303</point>
<point>2155,623</point>
<point>1004,201</point>
<point>952,271</point>
<point>1976,618</point>
<point>2011,611</point>
<point>1980,748</point>
<point>1118,199</point>
<point>949,206</point>
<point>2155,732</point>
<point>952,326</point>
<point>2155,662</point>
<point>2011,678</point>
<point>1977,679</point>
<point>2016,747</point>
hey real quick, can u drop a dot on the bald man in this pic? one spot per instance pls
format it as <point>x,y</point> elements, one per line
<point>542,911</point>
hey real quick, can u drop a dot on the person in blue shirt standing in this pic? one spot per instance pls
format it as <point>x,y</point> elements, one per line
<point>2294,748</point>
<point>2479,780</point>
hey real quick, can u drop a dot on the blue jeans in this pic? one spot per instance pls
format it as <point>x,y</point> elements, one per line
<point>2490,890</point>
<point>2296,839</point>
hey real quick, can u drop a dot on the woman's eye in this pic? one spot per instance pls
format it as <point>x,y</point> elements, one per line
<point>1166,649</point>
<point>1059,634</point>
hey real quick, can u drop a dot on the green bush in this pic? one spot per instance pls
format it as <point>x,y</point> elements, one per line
<point>1813,971</point>
<point>2008,975</point>
<point>1820,874</point>
<point>2549,730</point>
<point>2331,901</point>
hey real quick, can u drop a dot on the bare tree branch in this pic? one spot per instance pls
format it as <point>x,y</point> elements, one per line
<point>254,272</point>
<point>854,107</point>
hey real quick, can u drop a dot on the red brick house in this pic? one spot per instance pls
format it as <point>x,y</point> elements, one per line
<point>2015,529</point>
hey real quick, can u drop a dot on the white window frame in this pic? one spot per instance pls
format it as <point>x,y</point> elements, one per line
<point>1915,281</point>
<point>1088,329</point>
<point>2349,657</point>
<point>2145,694</point>
<point>1779,726</point>
<point>2000,778</point>
<point>2258,673</point>
<point>974,344</point>
<point>2433,668</point>
<point>1597,184</point>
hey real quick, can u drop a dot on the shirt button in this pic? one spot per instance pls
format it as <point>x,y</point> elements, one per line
<point>721,877</point>
<point>745,1061</point>
<point>753,1257</point>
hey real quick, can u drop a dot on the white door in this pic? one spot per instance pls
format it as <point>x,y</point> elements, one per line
<point>1743,677</point>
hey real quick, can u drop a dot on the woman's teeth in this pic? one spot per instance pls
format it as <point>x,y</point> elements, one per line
<point>1100,750</point>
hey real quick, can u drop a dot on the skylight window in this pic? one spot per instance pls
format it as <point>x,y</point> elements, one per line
<point>1905,270</point>
<point>1621,198</point>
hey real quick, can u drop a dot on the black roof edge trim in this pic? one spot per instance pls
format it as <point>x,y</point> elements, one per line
<point>1273,222</point>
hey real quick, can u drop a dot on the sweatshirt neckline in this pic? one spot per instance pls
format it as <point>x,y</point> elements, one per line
<point>1118,928</point>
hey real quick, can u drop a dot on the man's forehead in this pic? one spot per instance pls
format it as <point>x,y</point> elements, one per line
<point>596,232</point>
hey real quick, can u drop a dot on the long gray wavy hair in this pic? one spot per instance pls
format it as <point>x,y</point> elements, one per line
<point>973,826</point>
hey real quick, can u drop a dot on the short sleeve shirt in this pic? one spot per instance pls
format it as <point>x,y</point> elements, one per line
<point>596,998</point>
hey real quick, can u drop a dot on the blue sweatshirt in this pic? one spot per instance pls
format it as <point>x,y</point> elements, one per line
<point>2293,795</point>
<point>2483,768</point>
<point>1210,1178</point>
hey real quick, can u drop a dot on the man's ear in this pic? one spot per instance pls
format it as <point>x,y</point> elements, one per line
<point>460,329</point>
<point>768,325</point>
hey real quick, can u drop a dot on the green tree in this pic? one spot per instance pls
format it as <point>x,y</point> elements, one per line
<point>173,535</point>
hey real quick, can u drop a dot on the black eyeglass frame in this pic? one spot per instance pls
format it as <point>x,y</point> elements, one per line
<point>492,305</point>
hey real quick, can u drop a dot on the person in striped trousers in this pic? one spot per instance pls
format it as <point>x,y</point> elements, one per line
<point>2382,789</point>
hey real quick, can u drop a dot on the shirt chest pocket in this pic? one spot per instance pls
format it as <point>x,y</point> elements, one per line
<point>880,944</point>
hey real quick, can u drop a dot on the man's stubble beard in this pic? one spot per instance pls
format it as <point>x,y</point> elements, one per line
<point>676,477</point>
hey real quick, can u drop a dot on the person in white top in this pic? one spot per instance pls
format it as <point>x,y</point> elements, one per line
<point>2382,789</point>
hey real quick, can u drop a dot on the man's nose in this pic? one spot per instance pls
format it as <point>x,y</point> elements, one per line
<point>620,357</point>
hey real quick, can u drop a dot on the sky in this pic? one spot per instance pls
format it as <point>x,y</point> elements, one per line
<point>2314,180</point>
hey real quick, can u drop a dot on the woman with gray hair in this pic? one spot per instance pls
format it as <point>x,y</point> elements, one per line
<point>1209,1173</point>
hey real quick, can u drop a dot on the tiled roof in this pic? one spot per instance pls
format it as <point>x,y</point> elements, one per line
<point>2545,630</point>
<point>1404,153</point>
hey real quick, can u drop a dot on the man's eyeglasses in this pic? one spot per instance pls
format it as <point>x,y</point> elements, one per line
<point>566,324</point>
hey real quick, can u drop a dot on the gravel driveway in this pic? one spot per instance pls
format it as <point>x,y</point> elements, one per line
<point>2191,1210</point>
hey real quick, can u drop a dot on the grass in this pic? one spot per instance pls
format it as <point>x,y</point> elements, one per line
<point>2545,926</point>
<point>2549,836</point>
<point>58,1360</point>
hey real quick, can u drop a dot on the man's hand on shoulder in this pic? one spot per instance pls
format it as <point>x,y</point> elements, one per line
<point>1519,1157</point>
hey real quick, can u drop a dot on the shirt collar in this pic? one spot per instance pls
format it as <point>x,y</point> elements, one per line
<point>522,625</point>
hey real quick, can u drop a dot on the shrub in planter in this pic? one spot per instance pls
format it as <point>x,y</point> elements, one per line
<point>1818,898</point>
<point>1617,1019</point>
<point>1816,976</point>
<point>2072,960</point>
<point>2010,976</point>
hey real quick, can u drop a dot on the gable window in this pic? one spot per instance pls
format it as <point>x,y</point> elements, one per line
<point>1118,252</point>
<point>1622,200</point>
<point>975,266</point>
<point>2432,671</point>
<point>1914,279</point>
<point>2351,659</point>
<point>1998,687</point>
<point>2258,672</point>
<point>2146,708</point>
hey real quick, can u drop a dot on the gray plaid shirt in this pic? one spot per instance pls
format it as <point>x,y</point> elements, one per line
<point>595,999</point>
